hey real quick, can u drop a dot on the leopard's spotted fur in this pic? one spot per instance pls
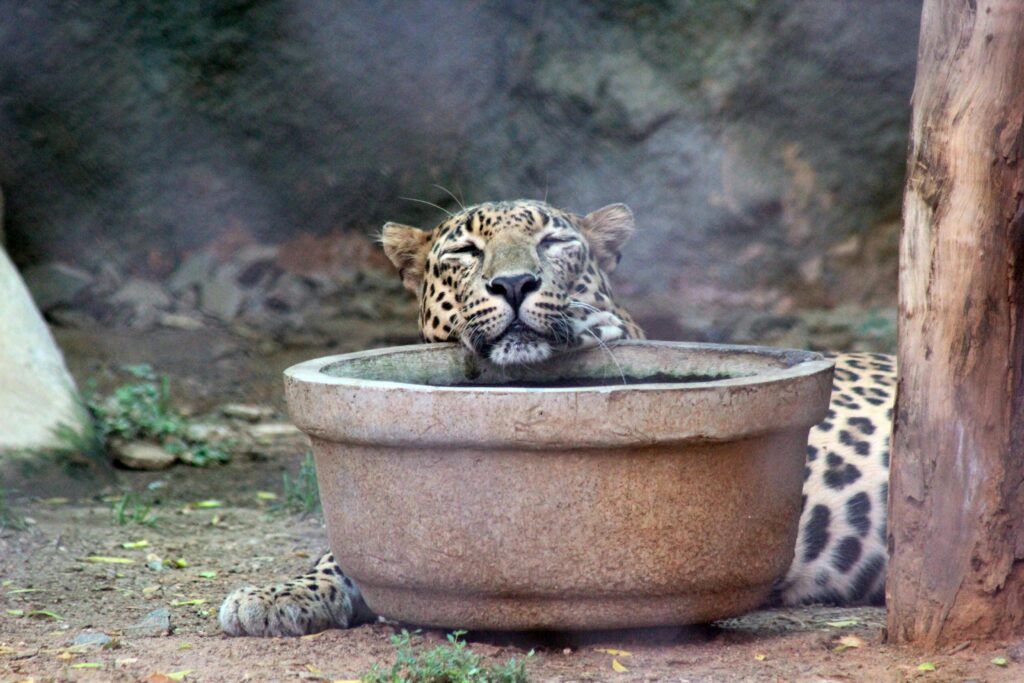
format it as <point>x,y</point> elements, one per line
<point>518,282</point>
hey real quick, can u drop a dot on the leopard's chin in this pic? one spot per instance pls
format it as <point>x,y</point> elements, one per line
<point>519,345</point>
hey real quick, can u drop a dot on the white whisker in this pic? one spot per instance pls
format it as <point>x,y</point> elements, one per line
<point>423,201</point>
<point>449,192</point>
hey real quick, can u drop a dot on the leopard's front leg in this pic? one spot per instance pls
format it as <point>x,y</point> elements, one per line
<point>320,599</point>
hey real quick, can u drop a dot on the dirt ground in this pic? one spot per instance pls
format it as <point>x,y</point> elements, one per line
<point>51,592</point>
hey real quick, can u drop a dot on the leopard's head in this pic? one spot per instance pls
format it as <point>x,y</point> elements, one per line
<point>516,282</point>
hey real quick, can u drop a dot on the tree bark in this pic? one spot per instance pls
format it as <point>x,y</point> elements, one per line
<point>956,502</point>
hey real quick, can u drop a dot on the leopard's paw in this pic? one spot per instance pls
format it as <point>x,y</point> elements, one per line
<point>324,598</point>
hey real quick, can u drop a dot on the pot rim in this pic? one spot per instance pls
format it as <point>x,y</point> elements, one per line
<point>381,413</point>
<point>802,363</point>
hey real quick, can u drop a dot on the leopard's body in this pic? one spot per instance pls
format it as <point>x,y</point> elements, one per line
<point>518,282</point>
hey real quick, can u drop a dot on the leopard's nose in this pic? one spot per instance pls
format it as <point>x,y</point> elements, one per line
<point>514,288</point>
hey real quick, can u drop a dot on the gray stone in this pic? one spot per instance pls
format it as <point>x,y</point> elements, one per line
<point>222,296</point>
<point>178,321</point>
<point>141,294</point>
<point>254,253</point>
<point>202,431</point>
<point>273,432</point>
<point>156,623</point>
<point>247,412</point>
<point>194,270</point>
<point>90,640</point>
<point>52,284</point>
<point>37,394</point>
<point>289,293</point>
<point>1016,651</point>
<point>140,455</point>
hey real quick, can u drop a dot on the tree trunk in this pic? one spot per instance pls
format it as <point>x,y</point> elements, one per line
<point>956,499</point>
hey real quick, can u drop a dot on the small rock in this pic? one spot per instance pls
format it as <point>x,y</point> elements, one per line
<point>247,412</point>
<point>222,296</point>
<point>289,293</point>
<point>194,270</point>
<point>204,431</point>
<point>156,623</point>
<point>139,455</point>
<point>255,253</point>
<point>271,432</point>
<point>89,640</point>
<point>256,267</point>
<point>177,321</point>
<point>62,316</point>
<point>1016,652</point>
<point>55,283</point>
<point>141,294</point>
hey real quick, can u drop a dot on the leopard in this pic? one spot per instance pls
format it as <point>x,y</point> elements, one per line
<point>519,282</point>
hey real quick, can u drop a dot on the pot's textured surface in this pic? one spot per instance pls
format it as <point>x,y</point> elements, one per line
<point>566,508</point>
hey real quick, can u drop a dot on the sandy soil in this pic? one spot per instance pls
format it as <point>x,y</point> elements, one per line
<point>45,568</point>
<point>51,592</point>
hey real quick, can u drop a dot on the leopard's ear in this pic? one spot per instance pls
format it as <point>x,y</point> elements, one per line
<point>407,248</point>
<point>606,230</point>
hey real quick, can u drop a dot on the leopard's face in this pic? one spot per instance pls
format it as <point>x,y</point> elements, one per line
<point>516,282</point>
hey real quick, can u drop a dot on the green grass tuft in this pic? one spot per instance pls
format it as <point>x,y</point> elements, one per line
<point>302,494</point>
<point>449,663</point>
<point>136,410</point>
<point>132,510</point>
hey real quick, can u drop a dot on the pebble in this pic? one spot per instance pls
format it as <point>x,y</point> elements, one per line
<point>245,411</point>
<point>91,640</point>
<point>140,455</point>
<point>141,294</point>
<point>178,321</point>
<point>156,623</point>
<point>208,432</point>
<point>271,432</point>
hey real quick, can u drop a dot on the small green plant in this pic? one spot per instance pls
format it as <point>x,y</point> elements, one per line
<point>131,510</point>
<point>139,410</point>
<point>448,663</point>
<point>302,494</point>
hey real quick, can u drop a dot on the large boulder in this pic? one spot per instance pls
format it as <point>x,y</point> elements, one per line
<point>37,394</point>
<point>760,144</point>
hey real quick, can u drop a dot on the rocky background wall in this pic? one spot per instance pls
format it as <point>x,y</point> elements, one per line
<point>172,157</point>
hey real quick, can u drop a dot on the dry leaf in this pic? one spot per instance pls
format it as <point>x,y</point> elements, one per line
<point>614,653</point>
<point>618,667</point>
